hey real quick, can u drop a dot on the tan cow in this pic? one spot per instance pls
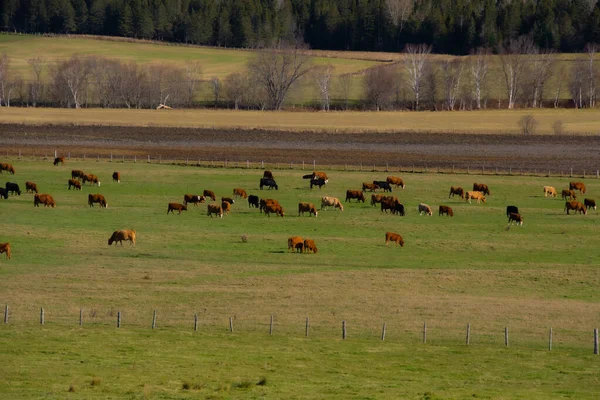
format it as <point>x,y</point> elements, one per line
<point>5,248</point>
<point>215,209</point>
<point>237,192</point>
<point>31,187</point>
<point>295,243</point>
<point>329,201</point>
<point>549,191</point>
<point>124,234</point>
<point>307,207</point>
<point>394,180</point>
<point>44,199</point>
<point>394,237</point>
<point>568,194</point>
<point>476,196</point>
<point>310,246</point>
<point>424,208</point>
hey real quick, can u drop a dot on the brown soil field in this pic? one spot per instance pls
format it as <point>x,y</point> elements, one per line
<point>542,153</point>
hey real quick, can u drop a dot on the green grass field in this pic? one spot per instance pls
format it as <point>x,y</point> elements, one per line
<point>451,271</point>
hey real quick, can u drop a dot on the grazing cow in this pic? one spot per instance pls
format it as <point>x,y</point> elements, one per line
<point>74,183</point>
<point>385,185</point>
<point>369,186</point>
<point>589,203</point>
<point>60,160</point>
<point>355,194</point>
<point>481,187</point>
<point>516,217</point>
<point>5,248</point>
<point>568,194</point>
<point>116,177</point>
<point>446,210</point>
<point>226,206</point>
<point>31,187</point>
<point>457,190</point>
<point>576,206</point>
<point>424,208</point>
<point>228,199</point>
<point>176,207</point>
<point>3,193</point>
<point>387,205</point>
<point>209,193</point>
<point>268,175</point>
<point>7,167</point>
<point>394,237</point>
<point>237,192</point>
<point>307,207</point>
<point>329,201</point>
<point>376,198</point>
<point>390,198</point>
<point>511,209</point>
<point>268,182</point>
<point>317,182</point>
<point>272,208</point>
<point>13,188</point>
<point>77,174</point>
<point>264,202</point>
<point>320,175</point>
<point>295,243</point>
<point>394,180</point>
<point>398,209</point>
<point>119,236</point>
<point>97,198</point>
<point>253,201</point>
<point>549,191</point>
<point>194,199</point>
<point>214,209</point>
<point>475,195</point>
<point>44,199</point>
<point>577,186</point>
<point>310,246</point>
<point>91,178</point>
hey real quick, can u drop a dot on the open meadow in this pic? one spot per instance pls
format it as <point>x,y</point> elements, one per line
<point>451,271</point>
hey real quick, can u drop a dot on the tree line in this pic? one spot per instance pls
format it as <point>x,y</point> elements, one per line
<point>522,75</point>
<point>448,26</point>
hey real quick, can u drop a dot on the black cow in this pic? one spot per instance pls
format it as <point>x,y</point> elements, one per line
<point>3,193</point>
<point>13,187</point>
<point>252,201</point>
<point>309,176</point>
<point>385,185</point>
<point>398,209</point>
<point>268,182</point>
<point>511,209</point>
<point>317,182</point>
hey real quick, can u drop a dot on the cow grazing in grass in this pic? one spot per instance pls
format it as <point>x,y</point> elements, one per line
<point>589,203</point>
<point>264,202</point>
<point>209,193</point>
<point>91,178</point>
<point>398,209</point>
<point>369,186</point>
<point>295,244</point>
<point>376,199</point>
<point>268,175</point>
<point>124,234</point>
<point>355,194</point>
<point>5,248</point>
<point>481,187</point>
<point>7,167</point>
<point>446,210</point>
<point>272,208</point>
<point>228,199</point>
<point>577,186</point>
<point>549,191</point>
<point>77,174</point>
<point>385,185</point>
<point>59,160</point>
<point>458,191</point>
<point>394,237</point>
<point>329,201</point>
<point>317,182</point>
<point>44,199</point>
<point>226,206</point>
<point>253,201</point>
<point>97,198</point>
<point>575,206</point>
<point>387,205</point>
<point>195,199</point>
<point>475,196</point>
<point>31,187</point>
<point>310,246</point>
<point>307,207</point>
<point>511,209</point>
<point>13,188</point>
<point>238,192</point>
<point>3,193</point>
<point>568,194</point>
<point>516,218</point>
<point>424,209</point>
<point>74,183</point>
<point>214,209</point>
<point>268,182</point>
<point>394,180</point>
<point>176,207</point>
<point>116,177</point>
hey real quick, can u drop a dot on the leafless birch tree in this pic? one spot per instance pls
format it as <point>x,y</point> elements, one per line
<point>236,87</point>
<point>399,11</point>
<point>193,72</point>
<point>539,71</point>
<point>36,86</point>
<point>513,59</point>
<point>132,85</point>
<point>379,86</point>
<point>415,59</point>
<point>345,82</point>
<point>215,87</point>
<point>4,78</point>
<point>451,73</point>
<point>592,72</point>
<point>479,64</point>
<point>577,83</point>
<point>322,76</point>
<point>71,78</point>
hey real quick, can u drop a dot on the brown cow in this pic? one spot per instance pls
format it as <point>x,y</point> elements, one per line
<point>91,178</point>
<point>210,193</point>
<point>74,183</point>
<point>228,199</point>
<point>446,210</point>
<point>97,198</point>
<point>268,175</point>
<point>549,191</point>
<point>226,206</point>
<point>475,195</point>
<point>576,206</point>
<point>116,177</point>
<point>329,201</point>
<point>44,199</point>
<point>295,243</point>
<point>355,194</point>
<point>214,209</point>
<point>424,208</point>
<point>320,175</point>
<point>77,174</point>
<point>589,203</point>
<point>387,204</point>
<point>516,218</point>
<point>376,198</point>
<point>237,192</point>
<point>568,194</point>
<point>369,186</point>
<point>5,248</point>
<point>481,187</point>
<point>394,180</point>
<point>310,246</point>
<point>394,237</point>
<point>272,208</point>
<point>307,207</point>
<point>60,160</point>
<point>457,190</point>
<point>577,186</point>
<point>124,234</point>
<point>31,187</point>
<point>176,206</point>
<point>193,198</point>
<point>7,167</point>
<point>263,203</point>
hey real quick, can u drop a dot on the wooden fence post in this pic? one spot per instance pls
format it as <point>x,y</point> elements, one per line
<point>111,156</point>
<point>314,165</point>
<point>148,158</point>
<point>154,320</point>
<point>195,322</point>
<point>550,340</point>
<point>383,332</point>
<point>134,159</point>
<point>271,325</point>
<point>69,156</point>
<point>468,334</point>
<point>42,316</point>
<point>118,319</point>
<point>230,324</point>
<point>81,317</point>
<point>596,341</point>
<point>306,329</point>
<point>571,173</point>
<point>424,332</point>
<point>6,313</point>
<point>506,336</point>
<point>344,329</point>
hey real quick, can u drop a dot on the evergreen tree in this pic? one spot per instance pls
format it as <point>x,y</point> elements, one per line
<point>125,25</point>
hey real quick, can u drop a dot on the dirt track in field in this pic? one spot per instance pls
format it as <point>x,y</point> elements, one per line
<point>557,153</point>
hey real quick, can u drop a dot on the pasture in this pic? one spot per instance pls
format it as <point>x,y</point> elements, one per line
<point>451,271</point>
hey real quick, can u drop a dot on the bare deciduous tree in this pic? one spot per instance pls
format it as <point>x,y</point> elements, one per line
<point>193,72</point>
<point>539,71</point>
<point>559,78</point>
<point>415,58</point>
<point>215,86</point>
<point>430,85</point>
<point>479,64</point>
<point>108,82</point>
<point>591,49</point>
<point>71,78</point>
<point>236,88</point>
<point>577,84</point>
<point>277,71</point>
<point>345,85</point>
<point>399,11</point>
<point>451,73</point>
<point>322,76</point>
<point>4,78</point>
<point>528,124</point>
<point>36,86</point>
<point>380,85</point>
<point>513,59</point>
<point>132,85</point>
